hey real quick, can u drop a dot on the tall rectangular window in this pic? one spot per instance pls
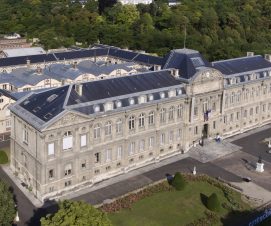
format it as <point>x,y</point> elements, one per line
<point>162,138</point>
<point>142,145</point>
<point>25,135</point>
<point>171,136</point>
<point>108,155</point>
<point>83,140</point>
<point>51,174</point>
<point>68,169</point>
<point>67,140</point>
<point>151,142</point>
<point>179,134</point>
<point>51,149</point>
<point>97,158</point>
<point>119,152</point>
<point>131,148</point>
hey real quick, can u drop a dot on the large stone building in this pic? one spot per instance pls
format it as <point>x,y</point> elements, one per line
<point>79,134</point>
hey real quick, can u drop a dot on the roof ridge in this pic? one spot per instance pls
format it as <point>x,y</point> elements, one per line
<point>169,58</point>
<point>238,58</point>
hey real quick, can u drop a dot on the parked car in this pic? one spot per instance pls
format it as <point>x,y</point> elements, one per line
<point>247,179</point>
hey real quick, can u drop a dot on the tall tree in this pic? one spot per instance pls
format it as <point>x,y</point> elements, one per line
<point>76,213</point>
<point>7,205</point>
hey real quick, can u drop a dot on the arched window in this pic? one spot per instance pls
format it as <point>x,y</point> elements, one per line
<point>232,98</point>
<point>141,120</point>
<point>119,126</point>
<point>171,113</point>
<point>97,131</point>
<point>163,115</point>
<point>67,140</point>
<point>180,111</point>
<point>151,118</point>
<point>131,122</point>
<point>108,128</point>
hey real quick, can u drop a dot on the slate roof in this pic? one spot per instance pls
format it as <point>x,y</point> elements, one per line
<point>186,60</point>
<point>7,94</point>
<point>241,65</point>
<point>107,88</point>
<point>38,109</point>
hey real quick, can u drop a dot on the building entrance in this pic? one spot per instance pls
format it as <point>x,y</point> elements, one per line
<point>205,131</point>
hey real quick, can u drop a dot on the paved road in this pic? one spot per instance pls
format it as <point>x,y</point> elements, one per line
<point>184,165</point>
<point>253,144</point>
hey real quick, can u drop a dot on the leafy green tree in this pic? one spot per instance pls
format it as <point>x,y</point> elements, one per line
<point>76,213</point>
<point>7,205</point>
<point>213,202</point>
<point>178,182</point>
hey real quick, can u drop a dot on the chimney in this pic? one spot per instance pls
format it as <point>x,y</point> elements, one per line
<point>267,57</point>
<point>79,89</point>
<point>39,70</point>
<point>249,54</point>
<point>74,65</point>
<point>157,67</point>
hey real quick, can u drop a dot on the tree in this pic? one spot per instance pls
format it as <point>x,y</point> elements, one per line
<point>106,4</point>
<point>76,213</point>
<point>7,205</point>
<point>213,202</point>
<point>178,182</point>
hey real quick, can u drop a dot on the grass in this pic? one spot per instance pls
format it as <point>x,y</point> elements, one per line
<point>174,208</point>
<point>3,157</point>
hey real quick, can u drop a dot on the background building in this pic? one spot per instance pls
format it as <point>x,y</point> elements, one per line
<point>79,134</point>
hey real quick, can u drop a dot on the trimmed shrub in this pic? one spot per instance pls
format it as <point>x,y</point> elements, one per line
<point>213,202</point>
<point>3,157</point>
<point>178,182</point>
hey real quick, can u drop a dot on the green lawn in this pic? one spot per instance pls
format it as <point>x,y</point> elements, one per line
<point>173,208</point>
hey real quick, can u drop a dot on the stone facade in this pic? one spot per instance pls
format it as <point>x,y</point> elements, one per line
<point>79,150</point>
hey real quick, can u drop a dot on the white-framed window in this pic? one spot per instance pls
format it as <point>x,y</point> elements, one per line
<point>162,139</point>
<point>142,145</point>
<point>83,140</point>
<point>195,130</point>
<point>119,126</point>
<point>25,135</point>
<point>84,164</point>
<point>264,107</point>
<point>68,169</point>
<point>108,155</point>
<point>108,128</point>
<point>119,152</point>
<point>179,134</point>
<point>67,140</point>
<point>162,115</point>
<point>151,118</point>
<point>131,122</point>
<point>151,142</point>
<point>171,136</point>
<point>171,113</point>
<point>195,111</point>
<point>97,131</point>
<point>51,149</point>
<point>131,150</point>
<point>141,120</point>
<point>180,111</point>
<point>8,123</point>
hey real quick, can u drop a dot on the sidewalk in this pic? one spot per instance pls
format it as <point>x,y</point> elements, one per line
<point>24,190</point>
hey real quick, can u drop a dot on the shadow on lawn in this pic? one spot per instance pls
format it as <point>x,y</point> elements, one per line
<point>203,199</point>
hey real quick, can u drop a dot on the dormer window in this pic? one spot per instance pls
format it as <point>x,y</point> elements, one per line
<point>264,74</point>
<point>151,97</point>
<point>118,103</point>
<point>225,82</point>
<point>246,78</point>
<point>252,76</point>
<point>233,80</point>
<point>108,106</point>
<point>171,93</point>
<point>162,95</point>
<point>237,79</point>
<point>179,92</point>
<point>96,108</point>
<point>131,101</point>
<point>142,99</point>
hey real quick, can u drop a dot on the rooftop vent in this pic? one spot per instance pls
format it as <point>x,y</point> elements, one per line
<point>51,98</point>
<point>268,57</point>
<point>157,67</point>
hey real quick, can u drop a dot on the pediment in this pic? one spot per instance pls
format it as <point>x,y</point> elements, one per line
<point>206,81</point>
<point>68,119</point>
